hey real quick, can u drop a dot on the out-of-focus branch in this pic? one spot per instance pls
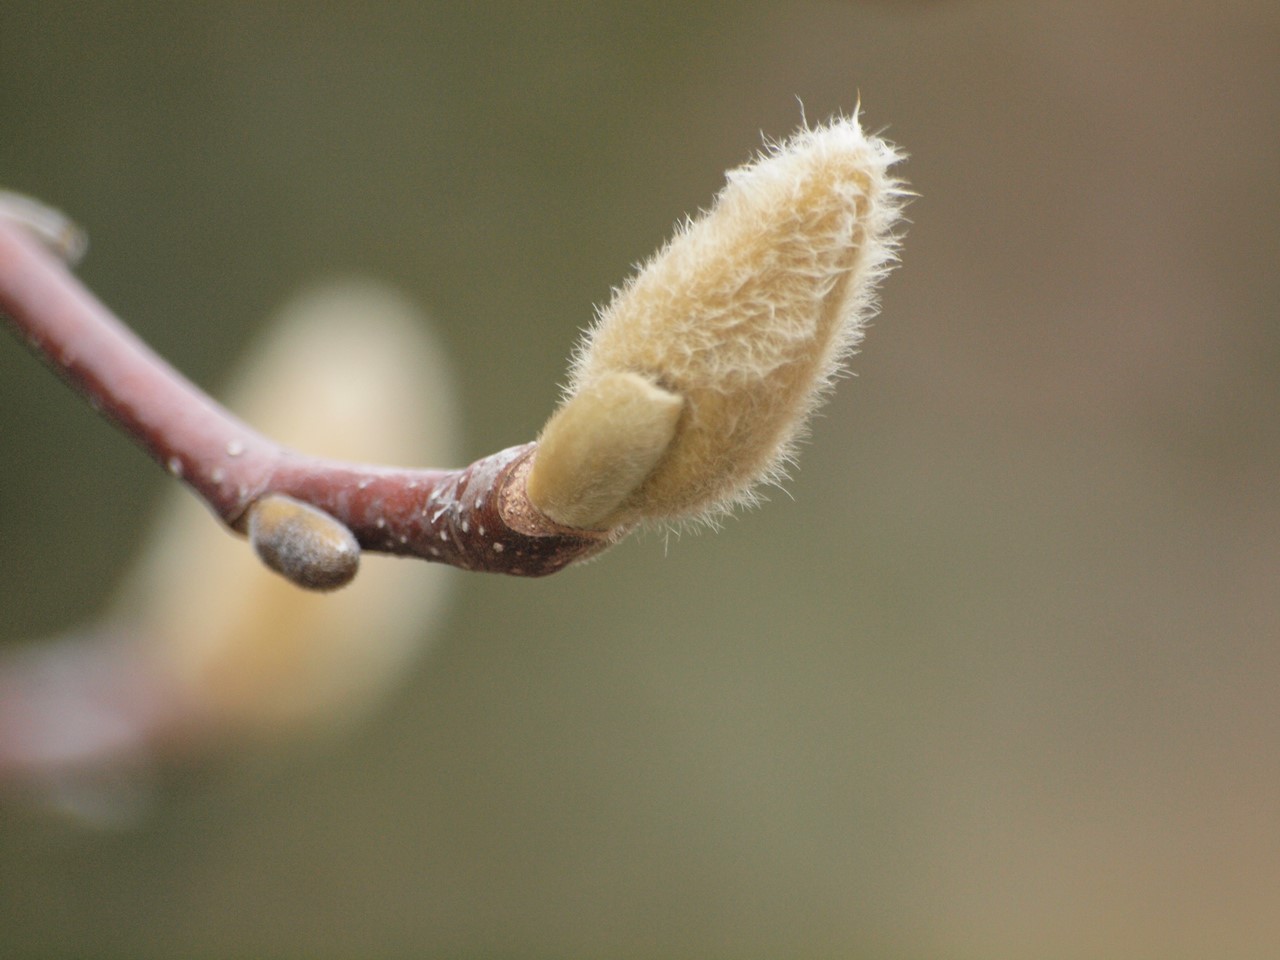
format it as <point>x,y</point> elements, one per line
<point>201,652</point>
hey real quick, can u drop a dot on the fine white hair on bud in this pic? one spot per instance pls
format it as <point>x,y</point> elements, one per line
<point>737,327</point>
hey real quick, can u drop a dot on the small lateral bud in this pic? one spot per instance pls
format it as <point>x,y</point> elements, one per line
<point>302,543</point>
<point>600,446</point>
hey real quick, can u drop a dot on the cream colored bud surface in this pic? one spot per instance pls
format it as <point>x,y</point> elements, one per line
<point>600,446</point>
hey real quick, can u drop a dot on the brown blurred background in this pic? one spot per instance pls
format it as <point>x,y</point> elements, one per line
<point>1000,681</point>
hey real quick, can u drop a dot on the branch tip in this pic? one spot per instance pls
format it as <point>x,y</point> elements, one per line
<point>58,232</point>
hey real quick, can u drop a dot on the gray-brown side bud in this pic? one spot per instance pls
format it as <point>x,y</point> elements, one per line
<point>301,543</point>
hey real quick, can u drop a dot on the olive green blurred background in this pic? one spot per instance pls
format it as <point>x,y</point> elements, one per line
<point>1000,680</point>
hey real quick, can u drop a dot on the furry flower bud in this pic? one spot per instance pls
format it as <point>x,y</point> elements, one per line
<point>738,324</point>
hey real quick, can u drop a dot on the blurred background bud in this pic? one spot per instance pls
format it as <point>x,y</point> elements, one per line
<point>204,646</point>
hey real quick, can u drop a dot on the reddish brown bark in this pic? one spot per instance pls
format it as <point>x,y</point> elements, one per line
<point>476,518</point>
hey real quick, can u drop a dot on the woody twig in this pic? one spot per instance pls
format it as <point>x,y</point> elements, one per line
<point>476,518</point>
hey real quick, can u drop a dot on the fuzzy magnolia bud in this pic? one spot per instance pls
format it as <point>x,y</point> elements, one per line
<point>735,328</point>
